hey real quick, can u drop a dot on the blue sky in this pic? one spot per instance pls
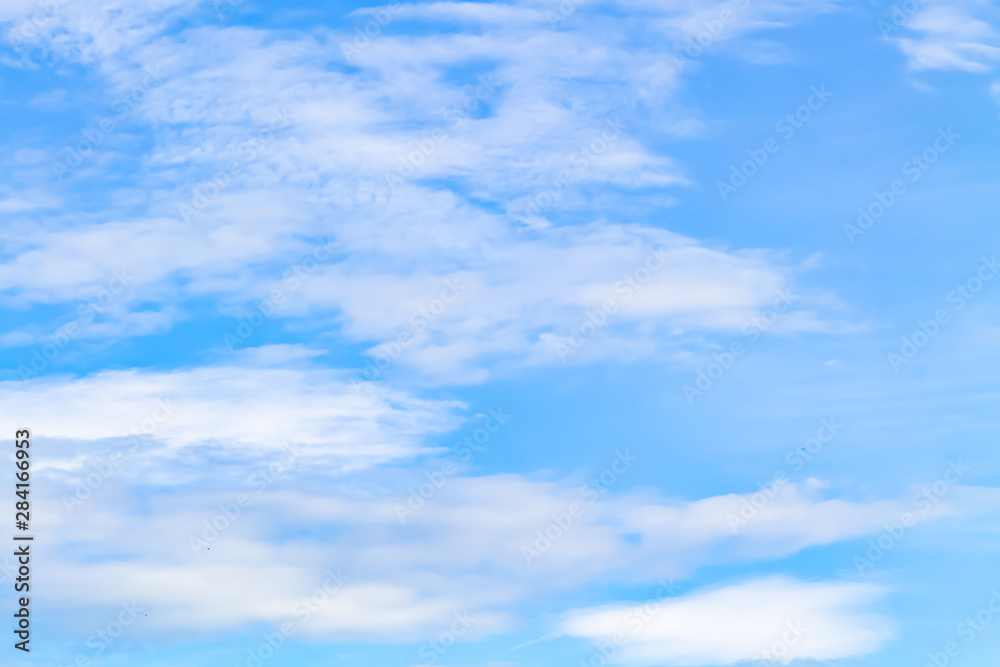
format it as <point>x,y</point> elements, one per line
<point>459,343</point>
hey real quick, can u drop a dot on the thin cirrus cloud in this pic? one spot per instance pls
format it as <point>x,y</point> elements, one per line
<point>937,35</point>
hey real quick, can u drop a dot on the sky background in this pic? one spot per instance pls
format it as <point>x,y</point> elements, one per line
<point>388,308</point>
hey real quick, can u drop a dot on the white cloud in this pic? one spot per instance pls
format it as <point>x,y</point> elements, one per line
<point>30,200</point>
<point>528,299</point>
<point>480,12</point>
<point>259,402</point>
<point>945,35</point>
<point>206,598</point>
<point>525,293</point>
<point>775,619</point>
<point>463,549</point>
<point>86,31</point>
<point>552,93</point>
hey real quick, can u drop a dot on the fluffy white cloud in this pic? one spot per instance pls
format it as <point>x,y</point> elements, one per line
<point>514,298</point>
<point>497,174</point>
<point>259,402</point>
<point>486,545</point>
<point>573,294</point>
<point>768,620</point>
